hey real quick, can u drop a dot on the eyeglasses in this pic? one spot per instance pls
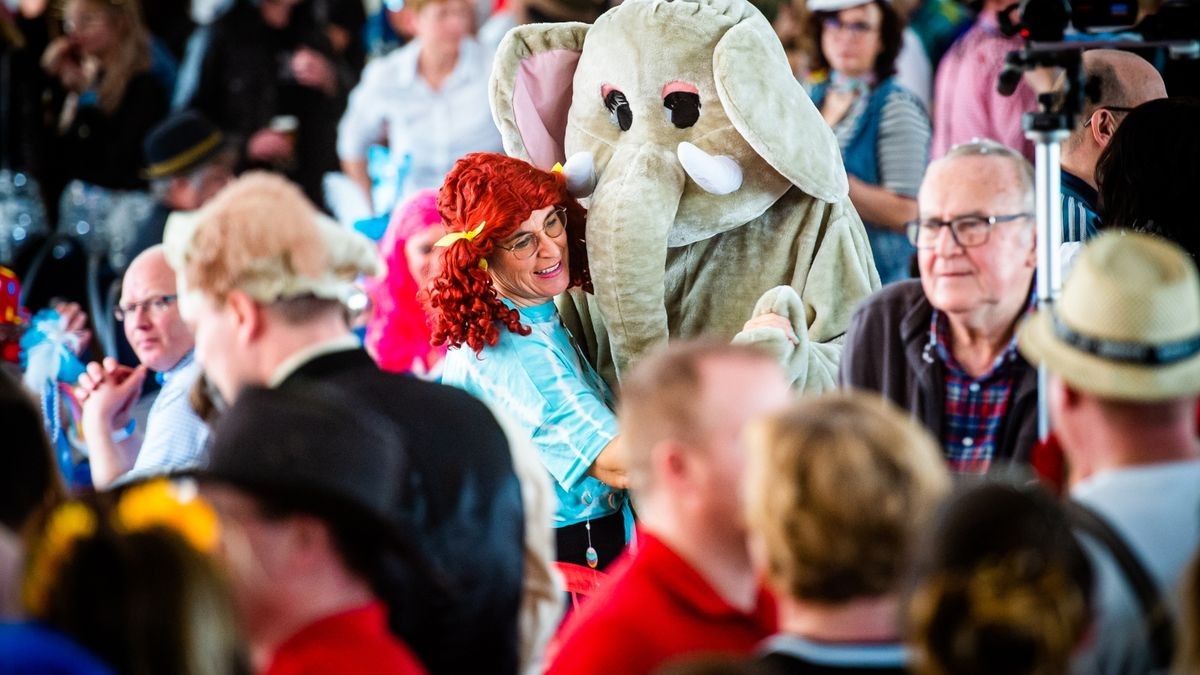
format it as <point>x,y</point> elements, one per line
<point>153,306</point>
<point>1110,108</point>
<point>967,231</point>
<point>855,28</point>
<point>524,246</point>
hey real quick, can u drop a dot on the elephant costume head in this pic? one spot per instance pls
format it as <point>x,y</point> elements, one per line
<point>682,121</point>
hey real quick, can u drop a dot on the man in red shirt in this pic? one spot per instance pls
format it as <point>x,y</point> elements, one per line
<point>687,587</point>
<point>303,484</point>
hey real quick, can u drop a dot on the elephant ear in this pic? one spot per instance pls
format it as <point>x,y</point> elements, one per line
<point>531,89</point>
<point>773,113</point>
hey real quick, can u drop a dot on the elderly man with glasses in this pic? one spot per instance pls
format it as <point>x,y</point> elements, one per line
<point>944,347</point>
<point>175,437</point>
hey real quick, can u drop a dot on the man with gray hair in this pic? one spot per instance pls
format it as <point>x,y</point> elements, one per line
<point>943,347</point>
<point>1124,81</point>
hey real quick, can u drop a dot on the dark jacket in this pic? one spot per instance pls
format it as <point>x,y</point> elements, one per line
<point>885,352</point>
<point>105,149</point>
<point>245,81</point>
<point>461,497</point>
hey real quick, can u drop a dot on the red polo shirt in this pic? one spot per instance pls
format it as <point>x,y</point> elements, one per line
<point>655,608</point>
<point>351,642</point>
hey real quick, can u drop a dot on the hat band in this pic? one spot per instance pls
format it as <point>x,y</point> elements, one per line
<point>1138,353</point>
<point>185,158</point>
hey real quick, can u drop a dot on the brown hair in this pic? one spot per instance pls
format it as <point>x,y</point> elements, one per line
<point>1004,587</point>
<point>838,488</point>
<point>891,36</point>
<point>660,399</point>
<point>1187,657</point>
<point>29,478</point>
<point>145,601</point>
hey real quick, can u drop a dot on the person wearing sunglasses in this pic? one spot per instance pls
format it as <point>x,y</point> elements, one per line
<point>516,242</point>
<point>943,347</point>
<point>175,437</point>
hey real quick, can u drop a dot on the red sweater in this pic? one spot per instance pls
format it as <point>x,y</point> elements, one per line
<point>655,608</point>
<point>352,642</point>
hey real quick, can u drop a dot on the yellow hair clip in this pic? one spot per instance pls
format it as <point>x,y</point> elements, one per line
<point>557,168</point>
<point>455,236</point>
<point>158,503</point>
<point>68,524</point>
<point>483,264</point>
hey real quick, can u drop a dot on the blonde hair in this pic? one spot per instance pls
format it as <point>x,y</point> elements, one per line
<point>262,236</point>
<point>132,55</point>
<point>838,488</point>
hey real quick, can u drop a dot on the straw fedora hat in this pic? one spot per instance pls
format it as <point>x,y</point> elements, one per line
<point>1127,325</point>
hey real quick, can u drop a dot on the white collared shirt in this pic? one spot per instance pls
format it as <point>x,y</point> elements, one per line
<point>176,438</point>
<point>431,128</point>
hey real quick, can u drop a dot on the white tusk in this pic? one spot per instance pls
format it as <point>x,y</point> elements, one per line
<point>580,171</point>
<point>718,175</point>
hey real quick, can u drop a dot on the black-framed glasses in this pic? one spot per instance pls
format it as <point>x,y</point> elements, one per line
<point>152,306</point>
<point>526,244</point>
<point>967,231</point>
<point>1110,108</point>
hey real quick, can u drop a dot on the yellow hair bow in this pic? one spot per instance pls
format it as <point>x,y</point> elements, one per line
<point>557,168</point>
<point>455,236</point>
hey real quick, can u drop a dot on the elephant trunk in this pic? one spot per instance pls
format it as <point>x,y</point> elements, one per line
<point>634,206</point>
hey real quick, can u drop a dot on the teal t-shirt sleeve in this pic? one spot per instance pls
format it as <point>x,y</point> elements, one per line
<point>569,421</point>
<point>576,423</point>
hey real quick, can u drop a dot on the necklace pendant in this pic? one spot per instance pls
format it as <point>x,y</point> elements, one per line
<point>592,558</point>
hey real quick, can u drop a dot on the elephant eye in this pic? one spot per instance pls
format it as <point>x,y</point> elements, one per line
<point>618,109</point>
<point>684,107</point>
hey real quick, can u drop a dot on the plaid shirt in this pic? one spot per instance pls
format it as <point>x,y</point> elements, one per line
<point>974,406</point>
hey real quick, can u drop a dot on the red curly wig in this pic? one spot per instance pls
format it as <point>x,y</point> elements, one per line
<point>501,191</point>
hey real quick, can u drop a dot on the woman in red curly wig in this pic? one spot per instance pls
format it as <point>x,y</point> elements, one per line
<point>516,240</point>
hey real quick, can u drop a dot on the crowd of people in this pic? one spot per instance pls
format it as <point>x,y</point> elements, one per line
<point>437,336</point>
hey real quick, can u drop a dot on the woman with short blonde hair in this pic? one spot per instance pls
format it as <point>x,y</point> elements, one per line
<point>838,490</point>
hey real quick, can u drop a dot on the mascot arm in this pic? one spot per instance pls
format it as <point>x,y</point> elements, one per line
<point>818,304</point>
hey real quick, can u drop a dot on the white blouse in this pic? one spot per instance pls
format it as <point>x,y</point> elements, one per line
<point>426,130</point>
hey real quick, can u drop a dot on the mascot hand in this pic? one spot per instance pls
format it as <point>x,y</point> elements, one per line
<point>778,325</point>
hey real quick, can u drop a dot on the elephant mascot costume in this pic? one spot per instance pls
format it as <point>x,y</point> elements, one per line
<point>715,189</point>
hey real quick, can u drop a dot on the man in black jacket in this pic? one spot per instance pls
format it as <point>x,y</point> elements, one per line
<point>943,347</point>
<point>268,285</point>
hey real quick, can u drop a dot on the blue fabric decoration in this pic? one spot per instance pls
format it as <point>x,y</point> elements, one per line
<point>47,359</point>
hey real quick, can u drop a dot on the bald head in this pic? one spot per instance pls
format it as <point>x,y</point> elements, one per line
<point>1124,80</point>
<point>152,323</point>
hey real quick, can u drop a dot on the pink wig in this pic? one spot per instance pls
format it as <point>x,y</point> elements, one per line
<point>398,332</point>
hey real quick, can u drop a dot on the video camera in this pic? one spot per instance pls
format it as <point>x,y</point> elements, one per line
<point>1047,20</point>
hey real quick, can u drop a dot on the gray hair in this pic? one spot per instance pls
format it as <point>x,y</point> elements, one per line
<point>986,147</point>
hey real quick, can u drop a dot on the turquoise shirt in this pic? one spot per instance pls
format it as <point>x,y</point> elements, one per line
<point>542,384</point>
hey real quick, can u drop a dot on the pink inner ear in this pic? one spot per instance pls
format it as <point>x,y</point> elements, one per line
<point>679,85</point>
<point>541,98</point>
